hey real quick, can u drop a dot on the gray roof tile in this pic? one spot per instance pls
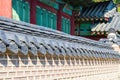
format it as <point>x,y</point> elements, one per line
<point>114,23</point>
<point>99,10</point>
<point>24,38</point>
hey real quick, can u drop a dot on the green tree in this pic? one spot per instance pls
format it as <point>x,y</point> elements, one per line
<point>117,1</point>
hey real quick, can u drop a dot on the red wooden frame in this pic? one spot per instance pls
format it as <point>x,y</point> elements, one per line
<point>96,37</point>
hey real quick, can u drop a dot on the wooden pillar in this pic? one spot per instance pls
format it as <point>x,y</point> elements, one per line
<point>32,11</point>
<point>72,32</point>
<point>59,18</point>
<point>6,8</point>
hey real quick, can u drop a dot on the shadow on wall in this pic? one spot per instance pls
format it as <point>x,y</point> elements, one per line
<point>3,60</point>
<point>18,60</point>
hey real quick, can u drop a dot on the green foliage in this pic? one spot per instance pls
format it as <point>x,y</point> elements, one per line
<point>117,1</point>
<point>118,9</point>
<point>99,0</point>
<point>84,3</point>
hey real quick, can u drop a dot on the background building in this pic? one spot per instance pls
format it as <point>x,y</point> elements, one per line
<point>72,17</point>
<point>48,13</point>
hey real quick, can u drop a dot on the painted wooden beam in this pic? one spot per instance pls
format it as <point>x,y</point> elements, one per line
<point>66,15</point>
<point>49,8</point>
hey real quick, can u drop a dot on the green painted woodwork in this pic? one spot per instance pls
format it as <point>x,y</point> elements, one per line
<point>39,16</point>
<point>21,9</point>
<point>26,12</point>
<point>54,21</point>
<point>50,3</point>
<point>15,14</point>
<point>46,18</point>
<point>85,29</point>
<point>117,1</point>
<point>66,25</point>
<point>68,11</point>
<point>60,1</point>
<point>49,19</point>
<point>85,33</point>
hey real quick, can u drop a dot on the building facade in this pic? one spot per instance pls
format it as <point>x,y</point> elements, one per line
<point>95,15</point>
<point>52,14</point>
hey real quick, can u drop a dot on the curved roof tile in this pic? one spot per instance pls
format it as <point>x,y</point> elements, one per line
<point>13,47</point>
<point>23,48</point>
<point>2,47</point>
<point>42,49</point>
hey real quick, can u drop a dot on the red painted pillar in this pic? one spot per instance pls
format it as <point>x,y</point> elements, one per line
<point>33,11</point>
<point>59,18</point>
<point>72,24</point>
<point>6,8</point>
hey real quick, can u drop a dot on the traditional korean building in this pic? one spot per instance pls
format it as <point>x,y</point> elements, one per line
<point>91,17</point>
<point>43,51</point>
<point>54,14</point>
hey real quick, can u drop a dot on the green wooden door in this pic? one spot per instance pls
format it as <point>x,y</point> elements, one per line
<point>39,15</point>
<point>49,19</point>
<point>54,21</point>
<point>66,25</point>
<point>21,10</point>
<point>26,12</point>
<point>45,18</point>
<point>15,14</point>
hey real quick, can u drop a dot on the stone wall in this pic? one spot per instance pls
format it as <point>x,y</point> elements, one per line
<point>20,67</point>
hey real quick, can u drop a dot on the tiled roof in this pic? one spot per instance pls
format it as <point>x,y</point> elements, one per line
<point>99,10</point>
<point>104,27</point>
<point>19,37</point>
